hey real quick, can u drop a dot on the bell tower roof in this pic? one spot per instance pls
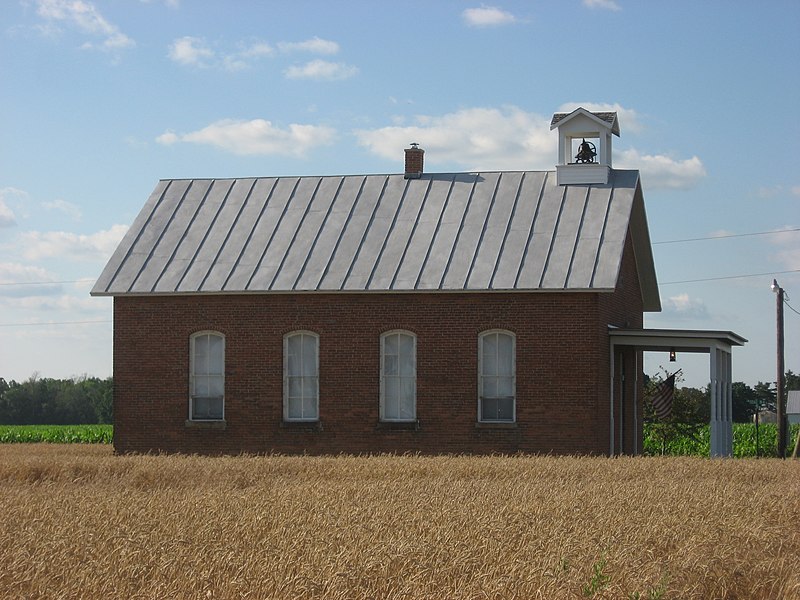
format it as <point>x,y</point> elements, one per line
<point>609,118</point>
<point>589,134</point>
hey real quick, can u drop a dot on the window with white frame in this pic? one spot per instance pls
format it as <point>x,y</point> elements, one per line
<point>301,376</point>
<point>496,376</point>
<point>207,376</point>
<point>398,376</point>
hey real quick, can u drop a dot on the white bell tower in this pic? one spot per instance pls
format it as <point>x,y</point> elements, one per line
<point>584,146</point>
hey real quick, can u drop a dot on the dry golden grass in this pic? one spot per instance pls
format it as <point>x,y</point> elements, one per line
<point>78,522</point>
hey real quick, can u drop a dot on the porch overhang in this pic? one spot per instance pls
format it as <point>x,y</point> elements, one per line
<point>717,344</point>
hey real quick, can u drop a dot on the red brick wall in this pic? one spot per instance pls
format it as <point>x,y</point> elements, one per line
<point>624,309</point>
<point>561,352</point>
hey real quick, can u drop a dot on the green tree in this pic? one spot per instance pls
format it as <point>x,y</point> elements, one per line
<point>745,400</point>
<point>690,412</point>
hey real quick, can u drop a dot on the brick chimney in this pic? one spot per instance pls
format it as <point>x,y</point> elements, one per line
<point>414,161</point>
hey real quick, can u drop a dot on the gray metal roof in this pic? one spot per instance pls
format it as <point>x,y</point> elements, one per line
<point>458,231</point>
<point>608,117</point>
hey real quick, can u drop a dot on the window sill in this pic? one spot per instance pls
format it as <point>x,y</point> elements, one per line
<point>397,426</point>
<point>309,426</point>
<point>221,424</point>
<point>495,425</point>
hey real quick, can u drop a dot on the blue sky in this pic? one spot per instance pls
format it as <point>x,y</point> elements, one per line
<point>100,99</point>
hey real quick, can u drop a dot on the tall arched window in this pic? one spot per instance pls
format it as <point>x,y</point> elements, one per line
<point>398,376</point>
<point>207,376</point>
<point>301,376</point>
<point>497,376</point>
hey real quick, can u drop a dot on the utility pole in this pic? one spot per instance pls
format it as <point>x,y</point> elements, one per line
<point>781,417</point>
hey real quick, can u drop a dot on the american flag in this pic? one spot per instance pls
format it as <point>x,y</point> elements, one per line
<point>662,397</point>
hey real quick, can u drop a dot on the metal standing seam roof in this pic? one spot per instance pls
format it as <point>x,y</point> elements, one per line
<point>359,233</point>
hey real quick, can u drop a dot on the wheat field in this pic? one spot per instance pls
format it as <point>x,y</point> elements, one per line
<point>80,522</point>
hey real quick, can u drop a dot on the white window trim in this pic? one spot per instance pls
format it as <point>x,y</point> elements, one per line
<point>286,337</point>
<point>384,335</point>
<point>192,338</point>
<point>481,337</point>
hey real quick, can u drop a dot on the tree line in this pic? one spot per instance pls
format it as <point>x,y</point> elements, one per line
<point>691,407</point>
<point>44,401</point>
<point>89,400</point>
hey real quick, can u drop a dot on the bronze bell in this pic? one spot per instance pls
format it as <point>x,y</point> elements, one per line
<point>586,152</point>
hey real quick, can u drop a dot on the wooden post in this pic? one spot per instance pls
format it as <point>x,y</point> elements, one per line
<point>781,413</point>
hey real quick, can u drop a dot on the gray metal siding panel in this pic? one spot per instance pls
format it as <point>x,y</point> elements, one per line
<point>186,251</point>
<point>379,227</point>
<point>616,230</point>
<point>295,208</point>
<point>516,243</point>
<point>167,245</point>
<point>107,282</point>
<point>314,222</point>
<point>416,252</point>
<point>396,242</point>
<point>466,245</point>
<point>588,246</point>
<point>563,246</point>
<point>494,234</point>
<point>452,196</point>
<point>330,235</point>
<point>353,234</point>
<point>538,252</point>
<point>214,244</point>
<point>149,236</point>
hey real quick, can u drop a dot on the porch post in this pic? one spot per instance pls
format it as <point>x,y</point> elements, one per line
<point>721,403</point>
<point>714,391</point>
<point>611,401</point>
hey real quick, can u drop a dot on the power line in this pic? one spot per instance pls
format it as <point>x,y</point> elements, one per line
<point>722,237</point>
<point>53,323</point>
<point>730,277</point>
<point>46,282</point>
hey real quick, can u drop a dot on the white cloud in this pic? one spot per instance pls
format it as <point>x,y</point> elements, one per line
<point>257,136</point>
<point>474,138</point>
<point>96,247</point>
<point>84,17</point>
<point>777,190</point>
<point>628,118</point>
<point>509,138</point>
<point>683,307</point>
<point>191,51</point>
<point>169,3</point>
<point>168,138</point>
<point>659,171</point>
<point>487,16</point>
<point>10,195</point>
<point>315,45</point>
<point>65,207</point>
<point>321,70</point>
<point>7,218</point>
<point>602,4</point>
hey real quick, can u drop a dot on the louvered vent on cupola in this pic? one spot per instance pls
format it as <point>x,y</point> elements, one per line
<point>584,146</point>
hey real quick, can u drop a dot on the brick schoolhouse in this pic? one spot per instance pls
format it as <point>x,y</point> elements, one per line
<point>411,312</point>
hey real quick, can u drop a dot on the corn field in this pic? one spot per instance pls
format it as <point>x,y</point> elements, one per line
<point>80,522</point>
